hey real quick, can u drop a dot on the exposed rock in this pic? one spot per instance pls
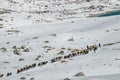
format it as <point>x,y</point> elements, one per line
<point>26,50</point>
<point>22,78</point>
<point>66,79</point>
<point>80,74</point>
<point>46,41</point>
<point>32,78</point>
<point>70,39</point>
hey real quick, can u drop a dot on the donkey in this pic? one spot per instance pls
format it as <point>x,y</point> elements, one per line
<point>1,75</point>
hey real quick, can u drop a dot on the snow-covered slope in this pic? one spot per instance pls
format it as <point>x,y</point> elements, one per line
<point>24,40</point>
<point>85,32</point>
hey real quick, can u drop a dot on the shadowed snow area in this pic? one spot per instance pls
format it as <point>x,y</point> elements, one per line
<point>105,77</point>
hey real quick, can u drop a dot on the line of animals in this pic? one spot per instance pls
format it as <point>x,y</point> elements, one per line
<point>73,53</point>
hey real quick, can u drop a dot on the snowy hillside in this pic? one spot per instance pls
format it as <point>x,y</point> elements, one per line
<point>59,40</point>
<point>49,11</point>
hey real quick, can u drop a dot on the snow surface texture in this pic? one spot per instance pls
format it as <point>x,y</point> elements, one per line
<point>20,26</point>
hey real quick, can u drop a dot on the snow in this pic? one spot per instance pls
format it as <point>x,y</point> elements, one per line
<point>101,65</point>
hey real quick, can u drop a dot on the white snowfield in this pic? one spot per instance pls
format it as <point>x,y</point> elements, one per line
<point>24,42</point>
